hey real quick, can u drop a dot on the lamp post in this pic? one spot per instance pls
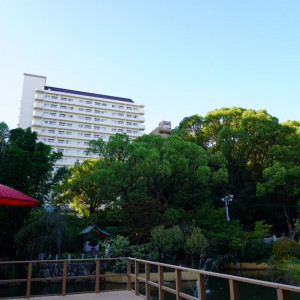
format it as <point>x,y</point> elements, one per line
<point>227,200</point>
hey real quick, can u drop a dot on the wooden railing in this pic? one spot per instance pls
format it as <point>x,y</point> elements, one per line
<point>136,277</point>
<point>282,289</point>
<point>64,276</point>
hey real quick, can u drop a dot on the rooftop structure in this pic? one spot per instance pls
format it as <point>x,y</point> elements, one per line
<point>163,129</point>
<point>68,119</point>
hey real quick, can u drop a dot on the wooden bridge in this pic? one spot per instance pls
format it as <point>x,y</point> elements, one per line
<point>135,278</point>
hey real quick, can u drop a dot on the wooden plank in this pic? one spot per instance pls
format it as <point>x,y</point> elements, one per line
<point>282,294</point>
<point>234,290</point>
<point>167,289</point>
<point>29,275</point>
<point>128,274</point>
<point>64,281</point>
<point>160,282</point>
<point>201,287</point>
<point>186,296</point>
<point>137,273</point>
<point>178,284</point>
<point>147,277</point>
<point>97,288</point>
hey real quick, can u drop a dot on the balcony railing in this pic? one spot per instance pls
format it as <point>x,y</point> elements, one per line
<point>283,291</point>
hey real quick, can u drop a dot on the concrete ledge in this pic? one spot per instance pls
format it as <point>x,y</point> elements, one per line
<point>248,266</point>
<point>168,276</point>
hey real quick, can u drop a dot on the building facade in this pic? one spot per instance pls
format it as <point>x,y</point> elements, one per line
<point>67,119</point>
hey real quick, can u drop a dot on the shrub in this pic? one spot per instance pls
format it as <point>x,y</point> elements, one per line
<point>284,248</point>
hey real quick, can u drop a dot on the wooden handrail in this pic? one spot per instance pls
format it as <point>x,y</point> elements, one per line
<point>281,289</point>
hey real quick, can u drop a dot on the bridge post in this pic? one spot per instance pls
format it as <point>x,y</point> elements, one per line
<point>29,274</point>
<point>282,294</point>
<point>64,280</point>
<point>97,288</point>
<point>137,274</point>
<point>147,277</point>
<point>128,274</point>
<point>201,287</point>
<point>160,282</point>
<point>178,284</point>
<point>234,290</point>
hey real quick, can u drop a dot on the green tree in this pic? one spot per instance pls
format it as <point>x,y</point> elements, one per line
<point>26,165</point>
<point>196,243</point>
<point>46,232</point>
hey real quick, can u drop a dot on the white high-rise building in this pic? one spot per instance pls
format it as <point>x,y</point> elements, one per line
<point>68,119</point>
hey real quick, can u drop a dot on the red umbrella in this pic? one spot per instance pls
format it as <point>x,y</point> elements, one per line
<point>9,196</point>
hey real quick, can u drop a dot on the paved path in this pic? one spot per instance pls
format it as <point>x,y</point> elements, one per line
<point>118,295</point>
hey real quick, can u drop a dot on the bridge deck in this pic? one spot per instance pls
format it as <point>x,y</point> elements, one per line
<point>117,295</point>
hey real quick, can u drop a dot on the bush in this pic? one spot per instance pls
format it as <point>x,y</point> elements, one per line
<point>257,250</point>
<point>284,248</point>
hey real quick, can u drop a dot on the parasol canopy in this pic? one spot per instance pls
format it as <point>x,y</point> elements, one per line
<point>9,196</point>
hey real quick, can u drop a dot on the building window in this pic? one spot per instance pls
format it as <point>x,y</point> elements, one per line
<point>88,102</point>
<point>88,118</point>
<point>88,110</point>
<point>97,119</point>
<point>81,109</point>
<point>64,99</point>
<point>68,133</point>
<point>128,123</point>
<point>61,141</point>
<point>80,126</point>
<point>120,130</point>
<point>87,126</point>
<point>52,122</point>
<point>96,127</point>
<point>97,103</point>
<point>61,132</point>
<point>87,134</point>
<point>62,115</point>
<point>129,131</point>
<point>104,104</point>
<point>70,99</point>
<point>69,124</point>
<point>63,107</point>
<point>62,124</point>
<point>53,105</point>
<point>97,111</point>
<point>47,96</point>
<point>129,108</point>
<point>120,115</point>
<point>79,133</point>
<point>51,131</point>
<point>52,114</point>
<point>120,107</point>
<point>50,140</point>
<point>114,129</point>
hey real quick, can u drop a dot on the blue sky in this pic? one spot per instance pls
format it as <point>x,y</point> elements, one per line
<point>178,58</point>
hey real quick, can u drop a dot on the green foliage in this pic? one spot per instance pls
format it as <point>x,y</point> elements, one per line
<point>196,243</point>
<point>166,242</point>
<point>47,232</point>
<point>25,165</point>
<point>256,250</point>
<point>285,248</point>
